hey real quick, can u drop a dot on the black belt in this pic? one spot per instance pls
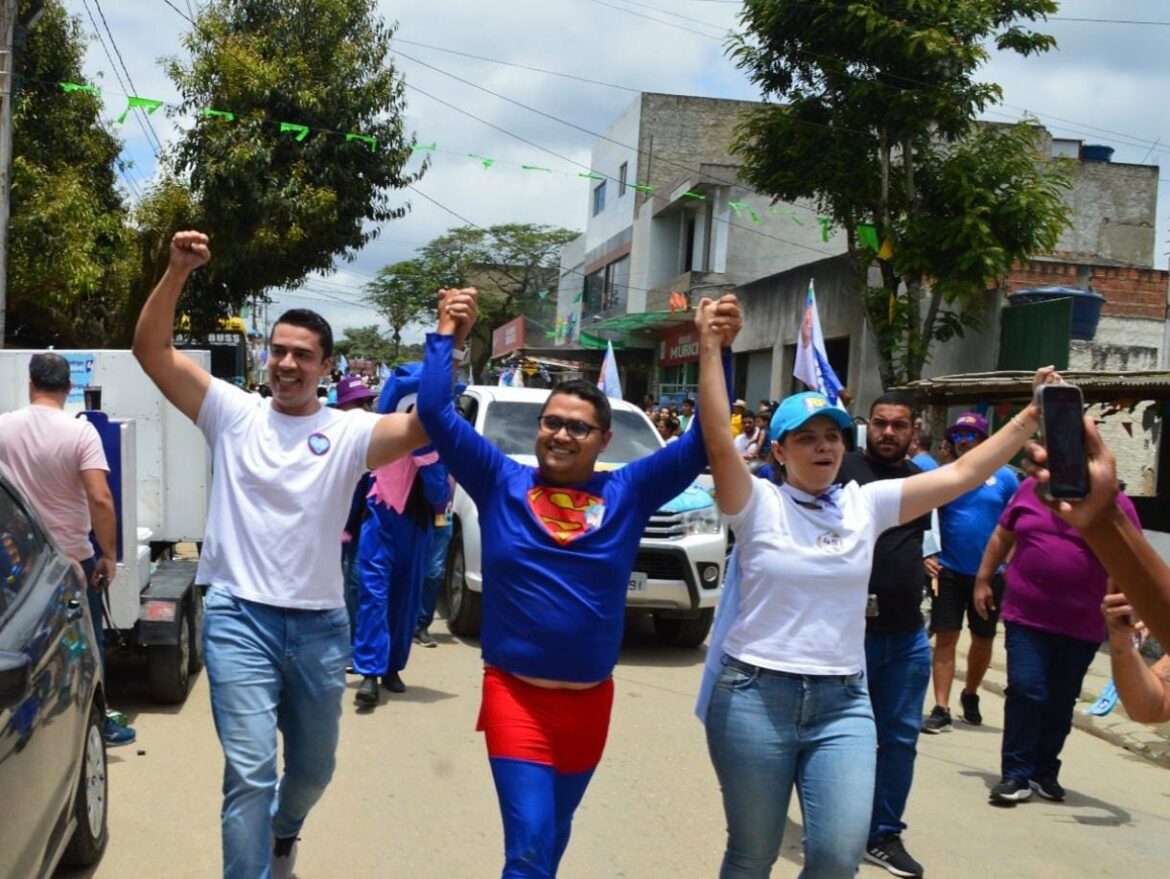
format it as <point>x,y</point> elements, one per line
<point>760,671</point>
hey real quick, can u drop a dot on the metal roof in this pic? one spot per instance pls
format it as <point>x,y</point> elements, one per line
<point>632,322</point>
<point>1097,387</point>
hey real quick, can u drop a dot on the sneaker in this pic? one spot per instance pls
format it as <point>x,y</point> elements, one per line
<point>423,637</point>
<point>284,857</point>
<point>117,734</point>
<point>970,703</point>
<point>1049,788</point>
<point>1010,791</point>
<point>393,683</point>
<point>889,852</point>
<point>938,721</point>
<point>367,693</point>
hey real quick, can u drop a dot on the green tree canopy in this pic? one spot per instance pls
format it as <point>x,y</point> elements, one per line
<point>514,266</point>
<point>365,343</point>
<point>404,293</point>
<point>69,247</point>
<point>878,126</point>
<point>278,208</point>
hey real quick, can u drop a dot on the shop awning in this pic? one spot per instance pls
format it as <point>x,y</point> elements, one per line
<point>594,336</point>
<point>992,387</point>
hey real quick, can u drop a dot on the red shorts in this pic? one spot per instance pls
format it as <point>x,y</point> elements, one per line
<point>564,729</point>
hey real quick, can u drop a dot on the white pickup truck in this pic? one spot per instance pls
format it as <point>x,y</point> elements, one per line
<point>678,573</point>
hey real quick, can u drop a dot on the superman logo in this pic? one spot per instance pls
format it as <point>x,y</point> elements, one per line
<point>566,513</point>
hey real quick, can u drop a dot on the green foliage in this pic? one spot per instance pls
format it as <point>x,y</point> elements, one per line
<point>514,266</point>
<point>69,254</point>
<point>878,126</point>
<point>365,343</point>
<point>404,293</point>
<point>276,208</point>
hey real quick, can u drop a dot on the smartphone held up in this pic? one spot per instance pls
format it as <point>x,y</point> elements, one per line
<point>1062,430</point>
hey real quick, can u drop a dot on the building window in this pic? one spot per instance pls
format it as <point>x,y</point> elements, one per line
<point>599,198</point>
<point>623,174</point>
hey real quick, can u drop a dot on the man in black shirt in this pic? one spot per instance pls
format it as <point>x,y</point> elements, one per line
<point>896,647</point>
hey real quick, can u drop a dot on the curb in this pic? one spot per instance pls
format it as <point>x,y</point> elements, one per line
<point>1118,730</point>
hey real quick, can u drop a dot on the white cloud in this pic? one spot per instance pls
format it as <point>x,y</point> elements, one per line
<point>1105,76</point>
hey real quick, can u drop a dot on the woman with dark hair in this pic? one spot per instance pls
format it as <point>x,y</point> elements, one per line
<point>784,699</point>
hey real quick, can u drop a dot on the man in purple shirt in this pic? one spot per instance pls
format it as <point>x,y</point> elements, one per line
<point>1051,612</point>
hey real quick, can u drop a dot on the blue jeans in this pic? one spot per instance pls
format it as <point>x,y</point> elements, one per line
<point>351,578</point>
<point>770,731</point>
<point>1044,674</point>
<point>272,668</point>
<point>94,596</point>
<point>440,543</point>
<point>898,672</point>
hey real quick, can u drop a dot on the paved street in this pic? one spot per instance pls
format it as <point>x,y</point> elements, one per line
<point>413,798</point>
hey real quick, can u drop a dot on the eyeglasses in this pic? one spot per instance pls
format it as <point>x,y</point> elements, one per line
<point>965,436</point>
<point>578,430</point>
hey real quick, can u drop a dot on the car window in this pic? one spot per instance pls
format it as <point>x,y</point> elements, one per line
<point>20,548</point>
<point>511,426</point>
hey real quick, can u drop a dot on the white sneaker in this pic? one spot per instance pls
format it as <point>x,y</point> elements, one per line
<point>284,858</point>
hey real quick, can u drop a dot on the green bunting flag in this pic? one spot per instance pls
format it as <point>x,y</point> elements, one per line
<point>698,196</point>
<point>641,187</point>
<point>487,163</point>
<point>78,87</point>
<point>826,227</point>
<point>147,104</point>
<point>425,147</point>
<point>738,206</point>
<point>367,139</point>
<point>219,114</point>
<point>302,131</point>
<point>592,175</point>
<point>536,168</point>
<point>867,236</point>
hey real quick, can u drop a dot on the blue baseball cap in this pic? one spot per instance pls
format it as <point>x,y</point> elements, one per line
<point>794,411</point>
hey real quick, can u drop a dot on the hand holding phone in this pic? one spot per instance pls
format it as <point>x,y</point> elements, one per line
<point>1062,431</point>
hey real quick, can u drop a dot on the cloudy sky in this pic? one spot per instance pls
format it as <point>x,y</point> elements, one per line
<point>1107,83</point>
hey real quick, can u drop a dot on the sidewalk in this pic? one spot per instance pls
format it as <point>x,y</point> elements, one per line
<point>1149,741</point>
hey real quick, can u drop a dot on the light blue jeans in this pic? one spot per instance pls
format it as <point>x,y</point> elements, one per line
<point>768,732</point>
<point>272,668</point>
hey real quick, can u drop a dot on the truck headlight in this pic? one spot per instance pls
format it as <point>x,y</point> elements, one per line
<point>704,521</point>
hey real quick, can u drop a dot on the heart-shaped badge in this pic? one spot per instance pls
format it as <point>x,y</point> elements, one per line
<point>318,443</point>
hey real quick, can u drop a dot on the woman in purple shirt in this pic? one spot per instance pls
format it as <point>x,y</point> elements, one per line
<point>1051,611</point>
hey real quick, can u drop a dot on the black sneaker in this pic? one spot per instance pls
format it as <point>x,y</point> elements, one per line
<point>393,682</point>
<point>1010,791</point>
<point>970,703</point>
<point>423,637</point>
<point>367,693</point>
<point>938,721</point>
<point>889,852</point>
<point>1049,788</point>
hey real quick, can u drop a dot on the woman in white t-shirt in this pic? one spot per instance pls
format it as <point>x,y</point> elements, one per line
<point>786,703</point>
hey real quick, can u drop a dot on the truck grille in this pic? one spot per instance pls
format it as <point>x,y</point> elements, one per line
<point>664,526</point>
<point>660,565</point>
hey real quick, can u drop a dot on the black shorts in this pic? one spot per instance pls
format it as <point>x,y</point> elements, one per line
<point>954,598</point>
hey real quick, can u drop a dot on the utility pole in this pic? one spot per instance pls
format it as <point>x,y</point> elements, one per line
<point>8,13</point>
<point>13,33</point>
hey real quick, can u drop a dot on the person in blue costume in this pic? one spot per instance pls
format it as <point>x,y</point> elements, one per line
<point>559,542</point>
<point>394,550</point>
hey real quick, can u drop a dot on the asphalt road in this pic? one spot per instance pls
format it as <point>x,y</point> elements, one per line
<point>412,796</point>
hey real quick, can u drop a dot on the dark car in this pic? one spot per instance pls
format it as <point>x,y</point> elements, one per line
<point>52,706</point>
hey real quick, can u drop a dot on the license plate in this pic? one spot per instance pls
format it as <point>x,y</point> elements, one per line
<point>637,582</point>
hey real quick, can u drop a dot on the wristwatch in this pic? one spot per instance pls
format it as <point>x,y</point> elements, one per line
<point>459,355</point>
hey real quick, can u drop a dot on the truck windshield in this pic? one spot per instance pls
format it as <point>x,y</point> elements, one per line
<point>511,427</point>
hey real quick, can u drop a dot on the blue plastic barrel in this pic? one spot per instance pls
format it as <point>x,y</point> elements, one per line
<point>1086,306</point>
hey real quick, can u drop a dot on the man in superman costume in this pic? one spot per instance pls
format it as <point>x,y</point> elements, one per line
<point>394,551</point>
<point>559,542</point>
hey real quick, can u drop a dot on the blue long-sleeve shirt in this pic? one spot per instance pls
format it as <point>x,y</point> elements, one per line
<point>554,597</point>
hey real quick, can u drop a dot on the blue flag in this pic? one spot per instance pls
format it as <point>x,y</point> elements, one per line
<point>812,364</point>
<point>609,381</point>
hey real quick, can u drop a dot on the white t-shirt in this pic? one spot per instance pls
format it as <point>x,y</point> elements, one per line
<point>281,487</point>
<point>45,451</point>
<point>804,577</point>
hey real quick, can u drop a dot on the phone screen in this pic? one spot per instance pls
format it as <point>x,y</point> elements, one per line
<point>1064,435</point>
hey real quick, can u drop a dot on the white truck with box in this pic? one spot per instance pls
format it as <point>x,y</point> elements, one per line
<point>160,475</point>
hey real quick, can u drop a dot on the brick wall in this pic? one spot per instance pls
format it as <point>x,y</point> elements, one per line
<point>1129,292</point>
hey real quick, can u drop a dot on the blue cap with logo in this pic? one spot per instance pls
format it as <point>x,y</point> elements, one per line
<point>794,411</point>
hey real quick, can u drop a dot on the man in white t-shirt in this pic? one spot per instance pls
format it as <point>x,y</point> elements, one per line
<point>57,461</point>
<point>276,632</point>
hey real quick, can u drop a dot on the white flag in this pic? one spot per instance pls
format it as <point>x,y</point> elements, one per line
<point>609,381</point>
<point>812,364</point>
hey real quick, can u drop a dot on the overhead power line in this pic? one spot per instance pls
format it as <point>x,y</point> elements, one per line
<point>126,70</point>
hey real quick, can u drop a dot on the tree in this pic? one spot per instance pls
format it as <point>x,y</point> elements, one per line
<point>365,343</point>
<point>275,206</point>
<point>70,255</point>
<point>405,293</point>
<point>878,127</point>
<point>514,266</point>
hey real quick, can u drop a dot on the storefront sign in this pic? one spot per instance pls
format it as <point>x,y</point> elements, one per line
<point>509,337</point>
<point>679,345</point>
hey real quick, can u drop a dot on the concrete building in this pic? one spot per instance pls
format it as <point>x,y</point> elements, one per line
<point>668,214</point>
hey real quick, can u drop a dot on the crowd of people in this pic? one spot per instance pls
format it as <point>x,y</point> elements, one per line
<point>820,659</point>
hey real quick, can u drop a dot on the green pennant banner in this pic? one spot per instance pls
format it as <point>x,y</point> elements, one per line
<point>219,114</point>
<point>302,131</point>
<point>147,104</point>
